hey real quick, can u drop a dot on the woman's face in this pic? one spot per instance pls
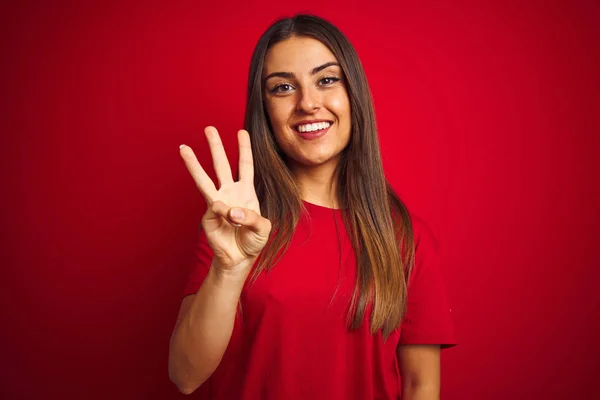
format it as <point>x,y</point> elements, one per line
<point>307,102</point>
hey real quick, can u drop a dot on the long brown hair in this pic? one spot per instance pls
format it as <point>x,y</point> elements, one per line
<point>376,219</point>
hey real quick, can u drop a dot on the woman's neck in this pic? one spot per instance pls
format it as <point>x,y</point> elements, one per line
<point>317,185</point>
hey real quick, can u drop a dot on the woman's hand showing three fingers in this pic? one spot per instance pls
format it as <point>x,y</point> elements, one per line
<point>235,230</point>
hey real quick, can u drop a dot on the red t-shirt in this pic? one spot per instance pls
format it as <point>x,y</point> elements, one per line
<point>291,340</point>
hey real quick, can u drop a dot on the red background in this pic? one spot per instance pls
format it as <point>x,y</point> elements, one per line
<point>488,116</point>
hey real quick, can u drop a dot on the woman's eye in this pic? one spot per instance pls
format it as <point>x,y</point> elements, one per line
<point>329,80</point>
<point>284,87</point>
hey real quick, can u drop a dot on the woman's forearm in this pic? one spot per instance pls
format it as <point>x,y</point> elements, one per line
<point>420,371</point>
<point>420,392</point>
<point>201,337</point>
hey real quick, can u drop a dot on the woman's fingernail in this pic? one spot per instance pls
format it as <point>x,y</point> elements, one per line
<point>181,145</point>
<point>237,213</point>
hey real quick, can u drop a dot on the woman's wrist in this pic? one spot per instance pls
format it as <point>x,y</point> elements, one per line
<point>231,276</point>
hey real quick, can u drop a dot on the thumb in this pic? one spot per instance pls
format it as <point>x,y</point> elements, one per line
<point>251,220</point>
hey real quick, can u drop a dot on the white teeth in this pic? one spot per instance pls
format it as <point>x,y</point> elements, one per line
<point>313,127</point>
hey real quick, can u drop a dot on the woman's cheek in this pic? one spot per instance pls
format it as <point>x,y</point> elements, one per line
<point>278,115</point>
<point>339,104</point>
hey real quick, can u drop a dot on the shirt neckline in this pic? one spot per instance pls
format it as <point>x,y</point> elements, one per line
<point>315,210</point>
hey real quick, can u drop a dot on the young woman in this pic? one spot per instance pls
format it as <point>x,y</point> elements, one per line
<point>312,280</point>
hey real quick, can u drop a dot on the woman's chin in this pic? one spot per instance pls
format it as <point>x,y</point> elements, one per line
<point>316,162</point>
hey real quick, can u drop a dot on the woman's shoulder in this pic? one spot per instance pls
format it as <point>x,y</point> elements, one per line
<point>410,222</point>
<point>422,232</point>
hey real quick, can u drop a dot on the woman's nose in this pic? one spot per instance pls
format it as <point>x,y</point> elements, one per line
<point>309,101</point>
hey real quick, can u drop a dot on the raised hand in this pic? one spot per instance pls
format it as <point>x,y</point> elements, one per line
<point>235,230</point>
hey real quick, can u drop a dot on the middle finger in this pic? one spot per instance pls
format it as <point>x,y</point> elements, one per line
<point>220,162</point>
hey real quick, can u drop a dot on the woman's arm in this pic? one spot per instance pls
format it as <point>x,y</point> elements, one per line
<point>420,371</point>
<point>203,329</point>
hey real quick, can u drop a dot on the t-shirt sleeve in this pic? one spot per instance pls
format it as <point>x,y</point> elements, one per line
<point>428,318</point>
<point>200,266</point>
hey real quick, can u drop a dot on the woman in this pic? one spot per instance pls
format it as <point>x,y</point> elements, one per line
<point>312,282</point>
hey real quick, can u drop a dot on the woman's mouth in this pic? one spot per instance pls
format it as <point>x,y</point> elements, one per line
<point>311,131</point>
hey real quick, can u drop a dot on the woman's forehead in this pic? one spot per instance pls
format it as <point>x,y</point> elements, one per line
<point>298,55</point>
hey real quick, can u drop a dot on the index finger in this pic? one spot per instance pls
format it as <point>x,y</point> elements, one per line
<point>246,167</point>
<point>219,157</point>
<point>203,181</point>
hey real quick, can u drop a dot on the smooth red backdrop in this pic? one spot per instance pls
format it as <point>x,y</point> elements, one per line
<point>488,117</point>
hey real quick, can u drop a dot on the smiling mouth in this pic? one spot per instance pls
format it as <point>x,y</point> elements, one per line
<point>312,127</point>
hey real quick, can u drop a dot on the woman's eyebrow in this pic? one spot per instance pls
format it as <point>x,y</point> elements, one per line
<point>291,75</point>
<point>322,67</point>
